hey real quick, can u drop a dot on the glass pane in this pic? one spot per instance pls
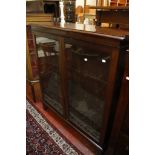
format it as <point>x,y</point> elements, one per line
<point>48,61</point>
<point>87,70</point>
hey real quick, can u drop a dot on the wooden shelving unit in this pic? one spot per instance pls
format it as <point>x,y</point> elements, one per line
<point>104,5</point>
<point>113,12</point>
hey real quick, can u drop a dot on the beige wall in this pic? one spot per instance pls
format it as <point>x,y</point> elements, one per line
<point>81,2</point>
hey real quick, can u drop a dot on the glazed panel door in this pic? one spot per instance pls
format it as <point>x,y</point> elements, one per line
<point>87,69</point>
<point>48,61</point>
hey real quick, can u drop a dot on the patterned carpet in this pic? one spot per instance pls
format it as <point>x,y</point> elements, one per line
<point>43,139</point>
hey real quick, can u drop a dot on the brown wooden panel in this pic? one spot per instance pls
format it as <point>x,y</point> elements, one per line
<point>28,63</point>
<point>119,139</point>
<point>37,91</point>
<point>29,91</point>
<point>120,17</point>
<point>33,91</point>
<point>39,18</point>
<point>34,6</point>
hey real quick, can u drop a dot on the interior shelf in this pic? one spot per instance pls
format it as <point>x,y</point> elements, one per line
<point>110,7</point>
<point>87,76</point>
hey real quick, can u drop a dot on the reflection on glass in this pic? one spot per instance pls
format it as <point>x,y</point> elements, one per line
<point>87,75</point>
<point>48,60</point>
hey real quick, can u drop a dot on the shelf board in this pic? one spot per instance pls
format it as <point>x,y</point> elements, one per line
<point>110,7</point>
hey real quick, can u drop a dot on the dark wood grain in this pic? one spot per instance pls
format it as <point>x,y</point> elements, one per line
<point>119,139</point>
<point>118,34</point>
<point>108,41</point>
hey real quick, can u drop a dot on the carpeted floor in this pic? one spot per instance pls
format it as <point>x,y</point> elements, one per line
<point>44,139</point>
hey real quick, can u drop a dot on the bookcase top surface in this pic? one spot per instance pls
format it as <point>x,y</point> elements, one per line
<point>119,34</point>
